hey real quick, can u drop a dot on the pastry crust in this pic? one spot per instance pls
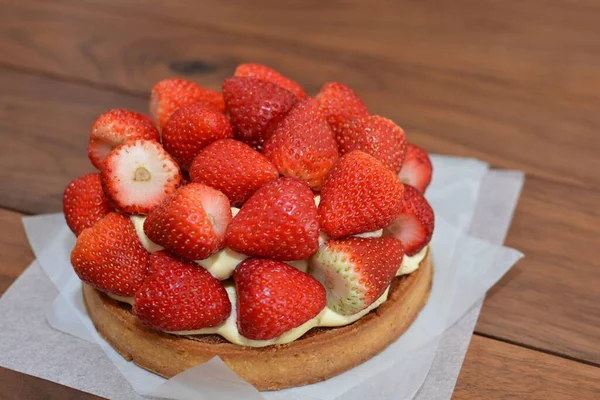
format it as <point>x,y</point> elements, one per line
<point>318,355</point>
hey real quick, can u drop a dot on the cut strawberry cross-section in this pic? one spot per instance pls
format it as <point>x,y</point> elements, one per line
<point>139,175</point>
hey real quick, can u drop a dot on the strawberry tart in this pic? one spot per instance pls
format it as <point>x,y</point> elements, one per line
<point>286,234</point>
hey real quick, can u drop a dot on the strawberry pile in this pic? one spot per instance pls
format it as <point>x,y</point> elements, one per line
<point>263,149</point>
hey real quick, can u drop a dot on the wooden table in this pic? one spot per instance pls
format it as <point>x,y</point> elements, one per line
<point>515,83</point>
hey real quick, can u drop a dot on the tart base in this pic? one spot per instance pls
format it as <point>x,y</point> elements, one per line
<point>318,355</point>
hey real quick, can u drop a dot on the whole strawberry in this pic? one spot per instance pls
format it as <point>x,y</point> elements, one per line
<point>114,128</point>
<point>273,297</point>
<point>359,195</point>
<point>377,136</point>
<point>84,202</point>
<point>190,129</point>
<point>234,168</point>
<point>109,256</point>
<point>169,95</point>
<point>191,223</point>
<point>414,226</point>
<point>265,73</point>
<point>417,169</point>
<point>279,221</point>
<point>303,146</point>
<point>181,296</point>
<point>139,175</point>
<point>340,105</point>
<point>356,271</point>
<point>255,108</point>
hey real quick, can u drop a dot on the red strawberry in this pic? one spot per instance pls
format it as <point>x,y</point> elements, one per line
<point>255,108</point>
<point>265,73</point>
<point>181,296</point>
<point>84,202</point>
<point>139,175</point>
<point>192,128</point>
<point>109,256</point>
<point>191,223</point>
<point>171,94</point>
<point>279,221</point>
<point>113,128</point>
<point>159,260</point>
<point>377,136</point>
<point>414,225</point>
<point>356,271</point>
<point>303,146</point>
<point>417,169</point>
<point>359,195</point>
<point>340,105</point>
<point>273,297</point>
<point>233,168</point>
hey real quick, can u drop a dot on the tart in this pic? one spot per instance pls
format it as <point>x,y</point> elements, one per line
<point>287,235</point>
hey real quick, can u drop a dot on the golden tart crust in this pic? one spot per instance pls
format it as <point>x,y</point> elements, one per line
<point>318,355</point>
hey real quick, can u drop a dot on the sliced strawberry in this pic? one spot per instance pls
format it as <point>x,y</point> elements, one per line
<point>356,271</point>
<point>303,146</point>
<point>171,94</point>
<point>273,297</point>
<point>359,195</point>
<point>255,107</point>
<point>265,73</point>
<point>192,128</point>
<point>340,105</point>
<point>233,168</point>
<point>279,221</point>
<point>113,128</point>
<point>377,136</point>
<point>417,169</point>
<point>181,296</point>
<point>414,226</point>
<point>84,202</point>
<point>139,175</point>
<point>110,257</point>
<point>191,223</point>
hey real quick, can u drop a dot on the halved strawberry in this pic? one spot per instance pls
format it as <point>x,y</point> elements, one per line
<point>359,195</point>
<point>139,175</point>
<point>114,128</point>
<point>84,202</point>
<point>233,168</point>
<point>279,221</point>
<point>414,226</point>
<point>181,296</point>
<point>191,223</point>
<point>340,105</point>
<point>377,136</point>
<point>303,146</point>
<point>255,108</point>
<point>356,271</point>
<point>171,94</point>
<point>265,73</point>
<point>417,169</point>
<point>273,297</point>
<point>109,256</point>
<point>192,128</point>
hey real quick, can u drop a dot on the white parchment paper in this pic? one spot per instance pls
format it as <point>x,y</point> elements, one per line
<point>473,208</point>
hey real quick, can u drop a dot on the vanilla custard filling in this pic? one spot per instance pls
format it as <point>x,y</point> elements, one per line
<point>326,318</point>
<point>222,264</point>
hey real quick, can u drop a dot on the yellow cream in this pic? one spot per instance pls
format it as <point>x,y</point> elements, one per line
<point>326,318</point>
<point>138,223</point>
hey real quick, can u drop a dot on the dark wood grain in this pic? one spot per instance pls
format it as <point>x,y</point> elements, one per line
<point>45,128</point>
<point>469,78</point>
<point>495,370</point>
<point>551,299</point>
<point>17,386</point>
<point>15,253</point>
